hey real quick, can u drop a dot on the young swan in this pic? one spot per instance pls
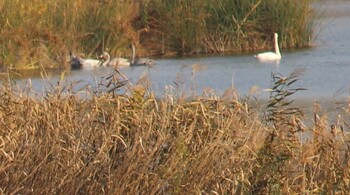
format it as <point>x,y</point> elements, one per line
<point>270,56</point>
<point>139,61</point>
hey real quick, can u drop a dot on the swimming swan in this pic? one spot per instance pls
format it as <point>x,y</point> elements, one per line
<point>270,56</point>
<point>139,61</point>
<point>120,62</point>
<point>77,62</point>
<point>115,62</point>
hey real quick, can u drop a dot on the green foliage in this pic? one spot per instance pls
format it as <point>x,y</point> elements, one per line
<point>228,25</point>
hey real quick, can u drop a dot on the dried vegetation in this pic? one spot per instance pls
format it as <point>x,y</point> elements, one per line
<point>131,143</point>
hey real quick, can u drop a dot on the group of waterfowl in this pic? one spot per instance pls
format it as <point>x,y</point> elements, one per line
<point>105,60</point>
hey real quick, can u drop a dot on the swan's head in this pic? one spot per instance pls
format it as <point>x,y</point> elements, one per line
<point>104,56</point>
<point>276,35</point>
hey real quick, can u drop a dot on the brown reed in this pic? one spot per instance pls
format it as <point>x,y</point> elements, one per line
<point>112,143</point>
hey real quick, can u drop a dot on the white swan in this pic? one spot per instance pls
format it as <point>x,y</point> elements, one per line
<point>122,62</point>
<point>90,62</point>
<point>139,61</point>
<point>270,56</point>
<point>115,62</point>
<point>78,63</point>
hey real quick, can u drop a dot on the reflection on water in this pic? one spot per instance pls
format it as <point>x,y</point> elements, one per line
<point>325,67</point>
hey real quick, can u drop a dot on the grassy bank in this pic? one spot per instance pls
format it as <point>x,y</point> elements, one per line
<point>39,33</point>
<point>137,144</point>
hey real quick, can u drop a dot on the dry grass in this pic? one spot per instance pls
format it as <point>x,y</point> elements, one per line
<point>39,34</point>
<point>130,144</point>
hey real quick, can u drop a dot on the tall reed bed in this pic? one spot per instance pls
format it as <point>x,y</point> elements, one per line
<point>40,33</point>
<point>228,25</point>
<point>139,144</point>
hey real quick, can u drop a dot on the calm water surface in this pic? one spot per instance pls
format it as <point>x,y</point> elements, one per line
<point>326,67</point>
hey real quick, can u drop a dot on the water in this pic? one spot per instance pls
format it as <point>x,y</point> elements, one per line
<point>325,67</point>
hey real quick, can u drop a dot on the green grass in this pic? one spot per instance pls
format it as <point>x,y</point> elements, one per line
<point>229,25</point>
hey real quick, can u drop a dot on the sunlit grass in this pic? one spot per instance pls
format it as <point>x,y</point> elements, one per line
<point>38,34</point>
<point>115,143</point>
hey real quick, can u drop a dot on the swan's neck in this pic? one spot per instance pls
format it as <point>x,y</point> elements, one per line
<point>105,63</point>
<point>277,49</point>
<point>71,55</point>
<point>133,54</point>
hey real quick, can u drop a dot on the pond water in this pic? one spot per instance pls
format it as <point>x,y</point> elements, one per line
<point>325,67</point>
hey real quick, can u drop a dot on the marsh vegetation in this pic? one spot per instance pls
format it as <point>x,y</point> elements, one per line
<point>120,138</point>
<point>109,142</point>
<point>40,33</point>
